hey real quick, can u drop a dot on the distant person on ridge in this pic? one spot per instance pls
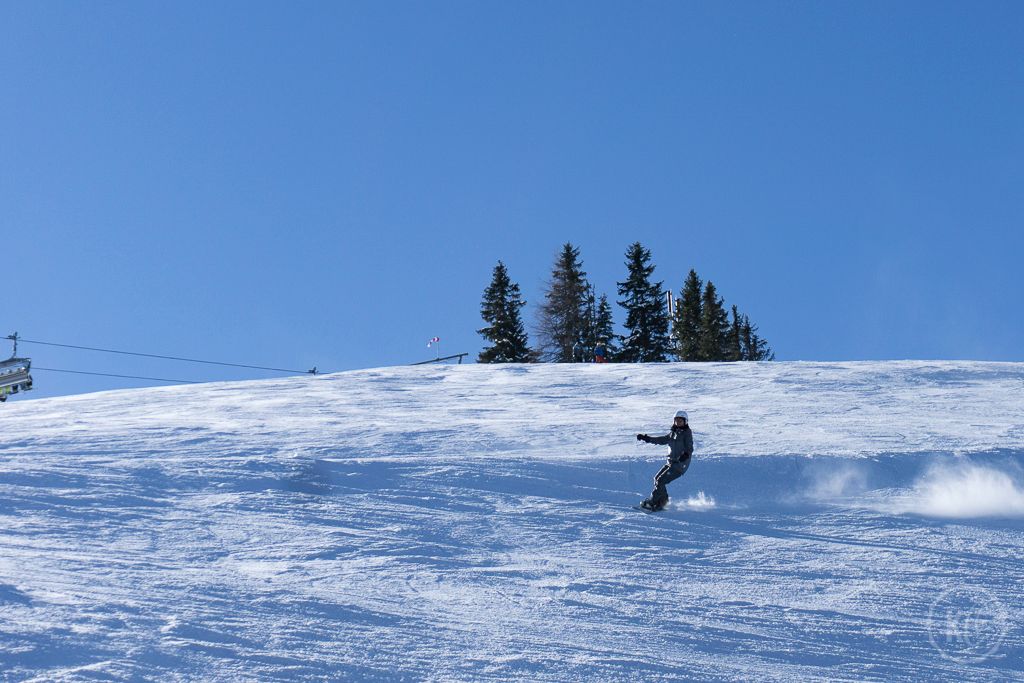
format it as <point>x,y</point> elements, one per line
<point>680,443</point>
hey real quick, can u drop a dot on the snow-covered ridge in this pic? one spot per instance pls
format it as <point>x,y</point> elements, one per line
<point>475,523</point>
<point>578,411</point>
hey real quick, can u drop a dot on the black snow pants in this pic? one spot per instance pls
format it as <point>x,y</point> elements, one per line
<point>669,472</point>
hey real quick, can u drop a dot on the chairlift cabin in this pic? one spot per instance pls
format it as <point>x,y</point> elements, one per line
<point>14,373</point>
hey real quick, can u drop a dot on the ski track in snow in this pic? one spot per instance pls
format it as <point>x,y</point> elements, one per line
<point>475,523</point>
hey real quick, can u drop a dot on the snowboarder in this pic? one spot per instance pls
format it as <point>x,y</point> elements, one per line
<point>680,443</point>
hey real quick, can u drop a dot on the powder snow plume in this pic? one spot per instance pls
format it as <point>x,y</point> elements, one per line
<point>964,491</point>
<point>701,501</point>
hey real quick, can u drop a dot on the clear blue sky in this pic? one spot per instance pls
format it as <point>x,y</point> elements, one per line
<point>332,183</point>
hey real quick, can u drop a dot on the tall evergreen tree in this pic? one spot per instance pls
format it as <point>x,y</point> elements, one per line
<point>734,339</point>
<point>714,326</point>
<point>686,322</point>
<point>604,328</point>
<point>562,320</point>
<point>505,330</point>
<point>647,340</point>
<point>589,336</point>
<point>754,347</point>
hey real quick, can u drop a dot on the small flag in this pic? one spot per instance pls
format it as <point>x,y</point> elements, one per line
<point>435,340</point>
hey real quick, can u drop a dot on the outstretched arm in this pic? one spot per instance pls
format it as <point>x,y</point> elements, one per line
<point>660,440</point>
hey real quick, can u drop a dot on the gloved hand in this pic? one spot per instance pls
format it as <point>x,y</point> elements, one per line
<point>642,437</point>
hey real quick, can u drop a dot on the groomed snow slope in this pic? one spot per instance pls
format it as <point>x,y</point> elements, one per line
<point>840,521</point>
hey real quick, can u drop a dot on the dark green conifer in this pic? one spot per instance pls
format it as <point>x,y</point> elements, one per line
<point>754,347</point>
<point>585,353</point>
<point>505,330</point>
<point>646,340</point>
<point>734,340</point>
<point>562,322</point>
<point>604,328</point>
<point>686,322</point>
<point>714,326</point>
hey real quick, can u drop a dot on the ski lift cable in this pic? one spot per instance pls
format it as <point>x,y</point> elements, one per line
<point>153,355</point>
<point>105,374</point>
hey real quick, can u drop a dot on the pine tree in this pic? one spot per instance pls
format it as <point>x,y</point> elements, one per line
<point>562,320</point>
<point>754,347</point>
<point>714,325</point>
<point>734,339</point>
<point>702,331</point>
<point>505,330</point>
<point>589,336</point>
<point>604,328</point>
<point>686,322</point>
<point>647,340</point>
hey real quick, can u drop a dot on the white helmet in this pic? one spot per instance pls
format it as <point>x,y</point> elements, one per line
<point>682,414</point>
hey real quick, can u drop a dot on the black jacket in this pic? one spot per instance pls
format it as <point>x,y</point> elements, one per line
<point>679,441</point>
